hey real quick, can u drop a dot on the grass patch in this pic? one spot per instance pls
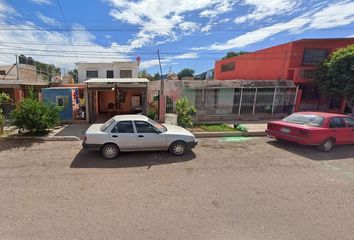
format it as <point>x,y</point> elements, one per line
<point>215,127</point>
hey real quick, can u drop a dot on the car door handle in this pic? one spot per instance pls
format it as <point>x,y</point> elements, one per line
<point>115,136</point>
<point>140,136</point>
<point>334,130</point>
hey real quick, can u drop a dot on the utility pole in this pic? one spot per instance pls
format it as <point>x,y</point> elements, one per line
<point>18,73</point>
<point>162,85</point>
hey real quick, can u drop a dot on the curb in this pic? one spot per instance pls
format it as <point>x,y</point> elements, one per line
<point>228,134</point>
<point>54,138</point>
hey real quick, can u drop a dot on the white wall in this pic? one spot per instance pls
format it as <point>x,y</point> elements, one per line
<point>102,69</point>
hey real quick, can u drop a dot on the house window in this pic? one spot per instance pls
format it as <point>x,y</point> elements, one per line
<point>310,92</point>
<point>308,73</point>
<point>109,74</point>
<point>2,72</point>
<point>228,67</point>
<point>314,56</point>
<point>91,74</point>
<point>126,74</point>
<point>60,101</point>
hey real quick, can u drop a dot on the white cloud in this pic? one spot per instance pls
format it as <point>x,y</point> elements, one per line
<point>219,8</point>
<point>42,2</point>
<point>156,18</point>
<point>167,60</point>
<point>186,56</point>
<point>331,16</point>
<point>335,15</point>
<point>266,8</point>
<point>47,20</point>
<point>260,34</point>
<point>6,10</point>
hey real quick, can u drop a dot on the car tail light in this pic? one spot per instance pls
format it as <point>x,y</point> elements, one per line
<point>270,126</point>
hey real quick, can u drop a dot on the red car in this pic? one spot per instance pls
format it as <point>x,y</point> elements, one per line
<point>323,130</point>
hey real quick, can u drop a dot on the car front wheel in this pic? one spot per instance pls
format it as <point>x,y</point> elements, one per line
<point>110,151</point>
<point>327,145</point>
<point>178,148</point>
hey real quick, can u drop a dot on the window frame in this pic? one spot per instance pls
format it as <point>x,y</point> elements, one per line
<point>313,57</point>
<point>156,131</point>
<point>124,121</point>
<point>228,67</point>
<point>349,124</point>
<point>91,71</point>
<point>125,70</point>
<point>57,99</point>
<point>341,119</point>
<point>109,71</point>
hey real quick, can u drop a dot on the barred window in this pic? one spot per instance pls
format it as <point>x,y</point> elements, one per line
<point>228,67</point>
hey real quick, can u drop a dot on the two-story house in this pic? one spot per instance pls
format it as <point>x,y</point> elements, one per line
<point>295,61</point>
<point>107,70</point>
<point>112,88</point>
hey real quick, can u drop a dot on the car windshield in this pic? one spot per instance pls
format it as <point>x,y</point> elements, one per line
<point>310,120</point>
<point>107,124</point>
<point>158,126</point>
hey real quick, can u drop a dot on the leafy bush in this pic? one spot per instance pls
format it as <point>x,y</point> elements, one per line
<point>185,111</point>
<point>3,99</point>
<point>151,114</point>
<point>35,116</point>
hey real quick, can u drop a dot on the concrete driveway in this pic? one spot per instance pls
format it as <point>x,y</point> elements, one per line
<point>255,189</point>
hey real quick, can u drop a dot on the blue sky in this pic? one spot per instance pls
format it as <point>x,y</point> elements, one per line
<point>188,33</point>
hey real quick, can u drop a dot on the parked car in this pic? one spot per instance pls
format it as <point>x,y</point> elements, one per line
<point>323,130</point>
<point>127,133</point>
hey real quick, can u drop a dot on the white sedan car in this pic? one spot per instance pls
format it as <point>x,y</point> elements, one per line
<point>128,133</point>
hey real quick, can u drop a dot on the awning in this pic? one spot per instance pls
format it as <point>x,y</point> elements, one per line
<point>117,80</point>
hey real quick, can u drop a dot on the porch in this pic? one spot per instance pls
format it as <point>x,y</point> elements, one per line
<point>107,97</point>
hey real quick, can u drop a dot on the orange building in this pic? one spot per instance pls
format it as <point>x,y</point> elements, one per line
<point>295,61</point>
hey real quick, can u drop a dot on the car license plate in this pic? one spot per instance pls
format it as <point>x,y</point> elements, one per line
<point>285,130</point>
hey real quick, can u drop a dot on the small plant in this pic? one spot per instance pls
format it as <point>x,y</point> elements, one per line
<point>151,114</point>
<point>35,116</point>
<point>185,111</point>
<point>3,99</point>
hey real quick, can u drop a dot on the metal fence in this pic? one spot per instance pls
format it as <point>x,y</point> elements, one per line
<point>245,101</point>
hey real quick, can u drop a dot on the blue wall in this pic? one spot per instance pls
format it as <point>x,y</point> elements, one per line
<point>52,94</point>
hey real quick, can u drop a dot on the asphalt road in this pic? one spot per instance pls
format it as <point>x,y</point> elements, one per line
<point>256,189</point>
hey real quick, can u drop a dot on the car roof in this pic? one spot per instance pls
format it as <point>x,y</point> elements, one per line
<point>321,114</point>
<point>131,117</point>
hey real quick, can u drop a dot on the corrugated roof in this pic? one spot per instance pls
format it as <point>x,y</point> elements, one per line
<point>117,80</point>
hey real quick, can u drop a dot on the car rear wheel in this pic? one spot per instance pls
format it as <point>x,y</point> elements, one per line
<point>110,151</point>
<point>178,148</point>
<point>327,145</point>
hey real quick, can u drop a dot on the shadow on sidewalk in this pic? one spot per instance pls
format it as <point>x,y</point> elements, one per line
<point>93,159</point>
<point>310,152</point>
<point>12,144</point>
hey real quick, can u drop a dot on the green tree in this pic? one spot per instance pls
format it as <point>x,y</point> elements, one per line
<point>186,72</point>
<point>35,116</point>
<point>144,74</point>
<point>74,74</point>
<point>3,99</point>
<point>234,54</point>
<point>157,76</point>
<point>185,111</point>
<point>335,75</point>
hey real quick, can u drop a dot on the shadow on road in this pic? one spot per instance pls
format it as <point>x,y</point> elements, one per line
<point>11,144</point>
<point>310,152</point>
<point>93,159</point>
